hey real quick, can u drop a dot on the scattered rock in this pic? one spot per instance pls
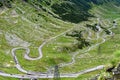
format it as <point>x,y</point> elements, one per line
<point>16,21</point>
<point>14,40</point>
<point>7,51</point>
<point>14,13</point>
<point>116,73</point>
<point>95,78</point>
<point>110,69</point>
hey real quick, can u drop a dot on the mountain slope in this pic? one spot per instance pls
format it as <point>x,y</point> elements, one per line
<point>30,23</point>
<point>68,10</point>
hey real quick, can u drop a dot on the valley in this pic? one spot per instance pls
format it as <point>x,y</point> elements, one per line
<point>37,42</point>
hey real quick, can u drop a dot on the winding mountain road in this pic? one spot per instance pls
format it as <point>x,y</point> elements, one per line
<point>90,48</point>
<point>30,75</point>
<point>45,75</point>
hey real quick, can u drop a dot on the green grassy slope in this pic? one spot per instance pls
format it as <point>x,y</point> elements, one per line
<point>29,25</point>
<point>35,24</point>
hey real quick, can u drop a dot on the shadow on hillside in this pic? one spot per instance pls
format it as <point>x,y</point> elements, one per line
<point>72,11</point>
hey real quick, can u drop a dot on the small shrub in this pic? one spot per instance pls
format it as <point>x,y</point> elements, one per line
<point>1,4</point>
<point>117,54</point>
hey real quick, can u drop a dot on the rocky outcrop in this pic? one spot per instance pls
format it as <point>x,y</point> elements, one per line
<point>14,40</point>
<point>116,73</point>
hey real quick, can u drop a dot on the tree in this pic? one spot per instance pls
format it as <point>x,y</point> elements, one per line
<point>6,3</point>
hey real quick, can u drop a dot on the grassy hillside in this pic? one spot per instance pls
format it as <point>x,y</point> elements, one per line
<point>28,23</point>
